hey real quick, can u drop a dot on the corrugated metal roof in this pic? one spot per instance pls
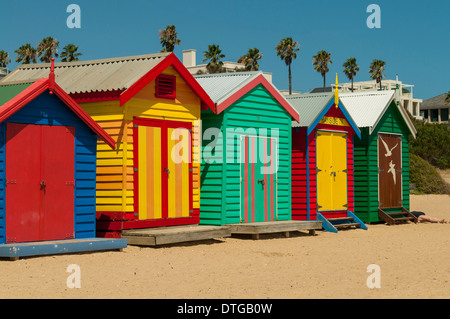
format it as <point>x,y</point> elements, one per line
<point>220,86</point>
<point>368,106</point>
<point>7,92</point>
<point>91,76</point>
<point>309,106</point>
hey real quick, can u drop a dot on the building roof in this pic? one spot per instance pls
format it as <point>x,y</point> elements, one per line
<point>437,102</point>
<point>226,88</point>
<point>368,107</point>
<point>126,75</point>
<point>313,106</point>
<point>91,76</point>
<point>20,95</point>
<point>7,92</point>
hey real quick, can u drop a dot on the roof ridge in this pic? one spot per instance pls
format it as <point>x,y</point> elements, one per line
<point>97,61</point>
<point>228,74</point>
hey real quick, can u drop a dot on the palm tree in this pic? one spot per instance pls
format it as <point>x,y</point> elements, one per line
<point>169,38</point>
<point>286,50</point>
<point>447,99</point>
<point>213,56</point>
<point>320,62</point>
<point>48,49</point>
<point>376,71</point>
<point>70,54</point>
<point>250,60</point>
<point>4,59</point>
<point>350,69</point>
<point>26,54</point>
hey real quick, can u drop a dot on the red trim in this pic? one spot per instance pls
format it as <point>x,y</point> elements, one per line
<point>266,216</point>
<point>170,60</point>
<point>96,96</point>
<point>269,87</point>
<point>166,86</point>
<point>36,89</point>
<point>246,180</point>
<point>272,163</point>
<point>252,143</point>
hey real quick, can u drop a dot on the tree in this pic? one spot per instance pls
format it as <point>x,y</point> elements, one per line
<point>320,62</point>
<point>250,60</point>
<point>447,99</point>
<point>4,59</point>
<point>70,54</point>
<point>169,38</point>
<point>213,56</point>
<point>350,69</point>
<point>26,54</point>
<point>47,48</point>
<point>286,50</point>
<point>376,70</point>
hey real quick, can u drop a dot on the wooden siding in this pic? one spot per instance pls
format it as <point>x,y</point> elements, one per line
<point>49,110</point>
<point>366,165</point>
<point>300,199</point>
<point>115,180</point>
<point>256,110</point>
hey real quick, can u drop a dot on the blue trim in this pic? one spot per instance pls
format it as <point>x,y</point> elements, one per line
<point>326,224</point>
<point>357,220</point>
<point>325,111</point>
<point>60,247</point>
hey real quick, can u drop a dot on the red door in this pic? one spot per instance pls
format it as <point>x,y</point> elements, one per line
<point>39,182</point>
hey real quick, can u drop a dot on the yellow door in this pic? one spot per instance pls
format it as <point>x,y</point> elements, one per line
<point>178,159</point>
<point>331,162</point>
<point>149,174</point>
<point>164,169</point>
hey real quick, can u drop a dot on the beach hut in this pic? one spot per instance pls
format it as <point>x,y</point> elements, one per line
<point>246,165</point>
<point>381,156</point>
<point>322,161</point>
<point>48,154</point>
<point>151,106</point>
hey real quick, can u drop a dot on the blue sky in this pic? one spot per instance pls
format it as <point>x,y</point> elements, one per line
<point>413,39</point>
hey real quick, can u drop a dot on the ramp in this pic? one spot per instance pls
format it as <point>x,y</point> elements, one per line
<point>335,224</point>
<point>257,228</point>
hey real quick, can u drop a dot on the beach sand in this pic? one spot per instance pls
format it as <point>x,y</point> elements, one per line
<point>414,261</point>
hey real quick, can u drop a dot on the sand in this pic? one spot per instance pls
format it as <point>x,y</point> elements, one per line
<point>414,261</point>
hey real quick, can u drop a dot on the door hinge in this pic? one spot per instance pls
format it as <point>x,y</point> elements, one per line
<point>70,183</point>
<point>136,169</point>
<point>70,236</point>
<point>13,181</point>
<point>344,170</point>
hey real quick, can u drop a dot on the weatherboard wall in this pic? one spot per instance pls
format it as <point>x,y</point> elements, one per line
<point>116,193</point>
<point>256,111</point>
<point>366,164</point>
<point>49,110</point>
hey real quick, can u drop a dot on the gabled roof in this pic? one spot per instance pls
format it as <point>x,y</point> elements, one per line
<point>31,91</point>
<point>127,75</point>
<point>226,88</point>
<point>314,106</point>
<point>368,107</point>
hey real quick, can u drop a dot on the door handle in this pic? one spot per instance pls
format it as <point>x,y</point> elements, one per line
<point>43,184</point>
<point>261,181</point>
<point>167,170</point>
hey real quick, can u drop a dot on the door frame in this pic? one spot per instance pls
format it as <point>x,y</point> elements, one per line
<point>317,131</point>
<point>164,125</point>
<point>378,165</point>
<point>274,181</point>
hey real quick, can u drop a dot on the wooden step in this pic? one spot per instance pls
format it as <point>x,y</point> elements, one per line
<point>347,225</point>
<point>390,220</point>
<point>340,219</point>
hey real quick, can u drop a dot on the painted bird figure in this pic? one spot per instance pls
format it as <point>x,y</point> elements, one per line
<point>392,170</point>
<point>388,151</point>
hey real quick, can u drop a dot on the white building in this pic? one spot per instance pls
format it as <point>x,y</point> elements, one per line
<point>190,62</point>
<point>3,72</point>
<point>435,110</point>
<point>404,96</point>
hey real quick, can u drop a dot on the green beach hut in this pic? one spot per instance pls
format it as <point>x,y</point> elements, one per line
<point>246,152</point>
<point>381,156</point>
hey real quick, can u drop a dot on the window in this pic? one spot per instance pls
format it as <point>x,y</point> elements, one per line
<point>444,115</point>
<point>434,114</point>
<point>165,86</point>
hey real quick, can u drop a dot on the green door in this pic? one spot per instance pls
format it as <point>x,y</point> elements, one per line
<point>258,191</point>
